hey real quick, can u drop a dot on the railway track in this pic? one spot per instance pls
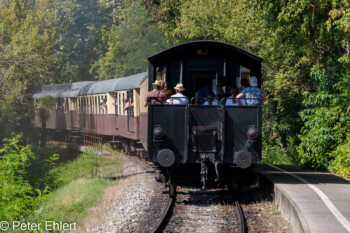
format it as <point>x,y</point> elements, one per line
<point>195,211</point>
<point>241,218</point>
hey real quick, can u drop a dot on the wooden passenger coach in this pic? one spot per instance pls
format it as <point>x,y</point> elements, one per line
<point>97,106</point>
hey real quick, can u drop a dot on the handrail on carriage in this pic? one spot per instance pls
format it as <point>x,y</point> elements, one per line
<point>222,102</point>
<point>164,97</point>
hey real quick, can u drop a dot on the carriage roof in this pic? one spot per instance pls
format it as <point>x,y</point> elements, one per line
<point>61,90</point>
<point>111,85</point>
<point>218,48</point>
<point>90,87</point>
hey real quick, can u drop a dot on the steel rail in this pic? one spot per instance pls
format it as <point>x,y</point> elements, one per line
<point>161,221</point>
<point>240,216</point>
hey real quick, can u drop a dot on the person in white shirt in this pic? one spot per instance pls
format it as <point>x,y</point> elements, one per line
<point>179,98</point>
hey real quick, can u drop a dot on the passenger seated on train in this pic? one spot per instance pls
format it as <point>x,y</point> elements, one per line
<point>234,101</point>
<point>211,100</point>
<point>203,92</point>
<point>151,97</point>
<point>218,89</point>
<point>128,104</point>
<point>168,94</point>
<point>103,103</point>
<point>165,87</point>
<point>252,94</point>
<point>162,85</point>
<point>179,98</point>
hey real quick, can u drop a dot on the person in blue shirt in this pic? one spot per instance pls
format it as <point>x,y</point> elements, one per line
<point>253,94</point>
<point>203,92</point>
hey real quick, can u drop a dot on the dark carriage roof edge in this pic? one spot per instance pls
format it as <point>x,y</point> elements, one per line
<point>174,48</point>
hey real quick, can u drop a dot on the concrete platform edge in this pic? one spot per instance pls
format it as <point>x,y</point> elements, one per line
<point>290,211</point>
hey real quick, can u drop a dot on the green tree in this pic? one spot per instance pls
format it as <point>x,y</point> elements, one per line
<point>132,37</point>
<point>81,41</point>
<point>28,36</point>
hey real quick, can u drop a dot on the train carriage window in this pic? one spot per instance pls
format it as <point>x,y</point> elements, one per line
<point>90,105</point>
<point>123,102</point>
<point>85,105</point>
<point>93,102</point>
<point>119,104</point>
<point>92,108</point>
<point>99,104</point>
<point>116,103</point>
<point>95,105</point>
<point>130,100</point>
<point>106,106</point>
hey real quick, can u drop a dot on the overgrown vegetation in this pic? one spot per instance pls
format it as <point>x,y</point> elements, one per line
<point>36,185</point>
<point>18,197</point>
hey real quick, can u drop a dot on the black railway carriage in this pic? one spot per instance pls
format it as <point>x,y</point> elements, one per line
<point>225,139</point>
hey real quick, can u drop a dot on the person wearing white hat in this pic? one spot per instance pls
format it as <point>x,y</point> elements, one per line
<point>179,98</point>
<point>252,94</point>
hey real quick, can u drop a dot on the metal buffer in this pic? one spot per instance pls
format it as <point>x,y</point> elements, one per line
<point>244,157</point>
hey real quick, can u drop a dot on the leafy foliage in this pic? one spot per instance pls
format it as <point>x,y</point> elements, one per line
<point>326,122</point>
<point>131,39</point>
<point>17,196</point>
<point>341,162</point>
